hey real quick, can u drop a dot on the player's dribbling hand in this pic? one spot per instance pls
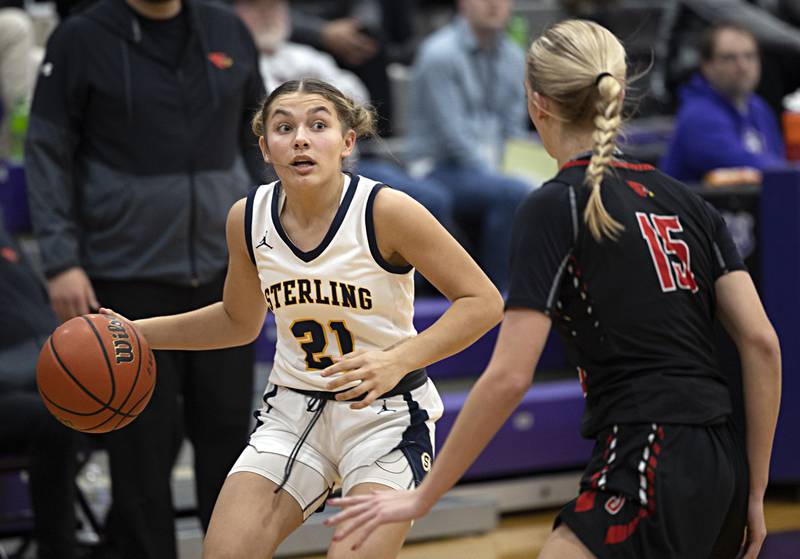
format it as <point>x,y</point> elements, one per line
<point>377,371</point>
<point>756,528</point>
<point>109,312</point>
<point>362,514</point>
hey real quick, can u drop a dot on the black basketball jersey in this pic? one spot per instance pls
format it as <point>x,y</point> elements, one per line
<point>635,314</point>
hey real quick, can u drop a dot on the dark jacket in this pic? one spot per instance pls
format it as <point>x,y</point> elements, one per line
<point>132,163</point>
<point>25,312</point>
<point>711,133</point>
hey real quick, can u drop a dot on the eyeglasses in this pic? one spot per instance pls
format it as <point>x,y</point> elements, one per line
<point>731,57</point>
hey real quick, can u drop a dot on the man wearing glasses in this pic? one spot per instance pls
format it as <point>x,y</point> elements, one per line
<point>721,122</point>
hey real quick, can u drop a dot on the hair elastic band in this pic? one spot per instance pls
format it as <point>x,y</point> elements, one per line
<point>600,77</point>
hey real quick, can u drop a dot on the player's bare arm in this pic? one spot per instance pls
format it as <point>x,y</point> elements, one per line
<point>491,401</point>
<point>741,313</point>
<point>408,234</point>
<point>236,320</point>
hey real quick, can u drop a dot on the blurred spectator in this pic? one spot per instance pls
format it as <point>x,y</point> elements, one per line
<point>467,100</point>
<point>18,60</point>
<point>775,25</point>
<point>138,144</point>
<point>26,427</point>
<point>589,9</point>
<point>431,193</point>
<point>364,36</point>
<point>721,122</point>
<point>282,60</point>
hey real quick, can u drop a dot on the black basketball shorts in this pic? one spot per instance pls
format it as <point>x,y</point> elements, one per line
<point>662,491</point>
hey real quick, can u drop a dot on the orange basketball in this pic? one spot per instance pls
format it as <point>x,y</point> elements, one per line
<point>96,373</point>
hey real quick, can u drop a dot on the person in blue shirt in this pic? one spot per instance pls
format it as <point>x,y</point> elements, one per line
<point>721,122</point>
<point>467,99</point>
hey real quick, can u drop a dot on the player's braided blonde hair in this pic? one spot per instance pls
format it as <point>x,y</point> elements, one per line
<point>580,65</point>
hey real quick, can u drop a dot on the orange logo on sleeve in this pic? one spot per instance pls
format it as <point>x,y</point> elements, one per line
<point>220,60</point>
<point>9,254</point>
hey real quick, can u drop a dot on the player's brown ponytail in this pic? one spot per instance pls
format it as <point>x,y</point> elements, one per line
<point>580,65</point>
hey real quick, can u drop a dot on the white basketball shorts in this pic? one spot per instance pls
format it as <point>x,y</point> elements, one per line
<point>390,443</point>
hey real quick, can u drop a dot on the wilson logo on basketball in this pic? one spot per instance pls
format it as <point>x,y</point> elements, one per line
<point>123,349</point>
<point>614,504</point>
<point>89,386</point>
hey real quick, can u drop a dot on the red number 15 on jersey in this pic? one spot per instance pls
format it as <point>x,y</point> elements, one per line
<point>657,231</point>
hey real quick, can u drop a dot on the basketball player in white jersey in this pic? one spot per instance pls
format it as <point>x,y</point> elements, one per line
<point>332,256</point>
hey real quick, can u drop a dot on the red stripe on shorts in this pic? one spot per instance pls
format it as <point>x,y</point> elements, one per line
<point>621,532</point>
<point>585,501</point>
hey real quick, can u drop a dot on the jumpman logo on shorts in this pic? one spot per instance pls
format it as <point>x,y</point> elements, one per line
<point>384,408</point>
<point>263,242</point>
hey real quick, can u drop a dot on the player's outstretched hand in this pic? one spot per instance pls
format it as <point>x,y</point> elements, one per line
<point>756,528</point>
<point>362,514</point>
<point>378,372</point>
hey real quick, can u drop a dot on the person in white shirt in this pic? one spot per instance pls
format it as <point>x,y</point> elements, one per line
<point>281,60</point>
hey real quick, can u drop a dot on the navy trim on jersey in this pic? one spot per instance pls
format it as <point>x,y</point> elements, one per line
<point>373,240</point>
<point>411,381</point>
<point>416,440</point>
<point>316,500</point>
<point>335,224</point>
<point>248,222</point>
<point>257,413</point>
<point>268,395</point>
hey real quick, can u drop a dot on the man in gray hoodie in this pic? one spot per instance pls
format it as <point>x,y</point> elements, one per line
<point>138,145</point>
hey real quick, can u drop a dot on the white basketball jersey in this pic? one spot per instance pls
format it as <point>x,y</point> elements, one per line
<point>340,297</point>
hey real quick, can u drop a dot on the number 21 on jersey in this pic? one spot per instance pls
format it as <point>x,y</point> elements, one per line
<point>657,230</point>
<point>313,341</point>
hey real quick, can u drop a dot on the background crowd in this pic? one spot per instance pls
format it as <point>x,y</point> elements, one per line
<point>127,123</point>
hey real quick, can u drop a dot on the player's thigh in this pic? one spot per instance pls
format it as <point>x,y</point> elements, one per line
<point>562,543</point>
<point>384,543</point>
<point>250,520</point>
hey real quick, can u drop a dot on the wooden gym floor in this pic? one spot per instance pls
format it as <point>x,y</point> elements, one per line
<point>521,536</point>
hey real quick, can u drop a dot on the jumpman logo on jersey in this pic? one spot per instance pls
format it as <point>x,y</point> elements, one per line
<point>384,408</point>
<point>263,242</point>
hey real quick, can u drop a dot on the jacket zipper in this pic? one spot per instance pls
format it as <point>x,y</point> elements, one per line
<point>192,195</point>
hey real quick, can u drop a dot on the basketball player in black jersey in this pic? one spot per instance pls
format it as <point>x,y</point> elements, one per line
<point>632,276</point>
